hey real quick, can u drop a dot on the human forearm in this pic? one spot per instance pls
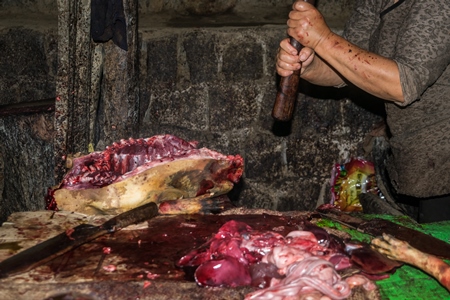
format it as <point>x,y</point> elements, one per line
<point>312,68</point>
<point>320,73</point>
<point>372,73</point>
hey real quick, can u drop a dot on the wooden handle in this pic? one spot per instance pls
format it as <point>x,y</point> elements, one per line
<point>283,107</point>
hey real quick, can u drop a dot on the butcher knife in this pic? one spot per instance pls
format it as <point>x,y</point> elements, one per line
<point>377,226</point>
<point>72,238</point>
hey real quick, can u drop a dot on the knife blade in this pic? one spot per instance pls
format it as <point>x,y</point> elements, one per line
<point>417,239</point>
<point>377,226</point>
<point>45,251</point>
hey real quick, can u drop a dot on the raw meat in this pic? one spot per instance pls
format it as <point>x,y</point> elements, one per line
<point>137,171</point>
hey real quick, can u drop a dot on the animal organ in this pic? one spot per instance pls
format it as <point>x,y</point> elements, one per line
<point>301,263</point>
<point>137,171</point>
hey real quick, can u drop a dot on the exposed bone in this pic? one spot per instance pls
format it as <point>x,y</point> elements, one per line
<point>133,172</point>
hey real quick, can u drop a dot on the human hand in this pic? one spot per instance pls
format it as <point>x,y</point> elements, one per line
<point>307,25</point>
<point>289,61</point>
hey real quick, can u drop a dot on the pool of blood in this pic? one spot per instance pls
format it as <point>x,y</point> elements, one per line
<point>151,253</point>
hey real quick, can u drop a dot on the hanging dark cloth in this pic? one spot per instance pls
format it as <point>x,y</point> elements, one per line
<point>108,22</point>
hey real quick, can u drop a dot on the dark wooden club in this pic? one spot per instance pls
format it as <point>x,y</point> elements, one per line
<point>288,89</point>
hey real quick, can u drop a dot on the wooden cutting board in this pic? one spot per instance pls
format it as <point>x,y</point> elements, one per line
<point>141,259</point>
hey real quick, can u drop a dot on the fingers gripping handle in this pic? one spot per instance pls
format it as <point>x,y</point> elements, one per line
<point>283,107</point>
<point>295,43</point>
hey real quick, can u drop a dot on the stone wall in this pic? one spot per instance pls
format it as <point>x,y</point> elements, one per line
<point>28,65</point>
<point>227,78</point>
<point>206,78</point>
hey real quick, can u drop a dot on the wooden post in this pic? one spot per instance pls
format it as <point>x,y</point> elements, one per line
<point>73,81</point>
<point>97,96</point>
<point>119,101</point>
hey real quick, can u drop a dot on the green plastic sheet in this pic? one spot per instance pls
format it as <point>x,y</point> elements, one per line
<point>407,282</point>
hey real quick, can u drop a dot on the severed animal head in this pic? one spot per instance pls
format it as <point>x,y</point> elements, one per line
<point>137,171</point>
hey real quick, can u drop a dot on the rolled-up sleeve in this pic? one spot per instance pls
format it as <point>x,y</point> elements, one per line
<point>423,49</point>
<point>420,47</point>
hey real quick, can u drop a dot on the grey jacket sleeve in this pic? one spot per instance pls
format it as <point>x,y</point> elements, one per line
<point>363,22</point>
<point>423,49</point>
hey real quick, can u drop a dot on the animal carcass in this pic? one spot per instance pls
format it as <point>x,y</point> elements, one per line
<point>137,171</point>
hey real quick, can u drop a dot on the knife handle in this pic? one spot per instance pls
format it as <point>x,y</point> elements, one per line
<point>133,216</point>
<point>72,238</point>
<point>283,107</point>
